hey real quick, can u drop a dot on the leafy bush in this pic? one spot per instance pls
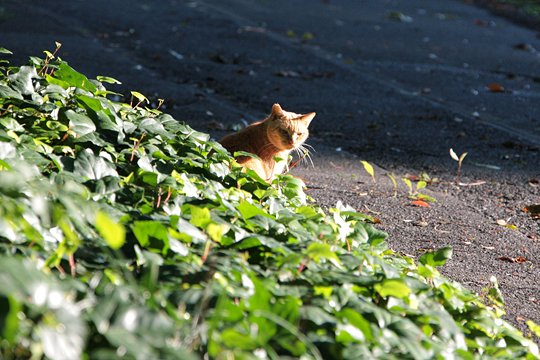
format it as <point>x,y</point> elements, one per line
<point>127,234</point>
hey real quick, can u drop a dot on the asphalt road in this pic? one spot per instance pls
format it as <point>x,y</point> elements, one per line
<point>395,82</point>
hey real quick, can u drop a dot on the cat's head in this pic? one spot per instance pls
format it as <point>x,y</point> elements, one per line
<point>288,130</point>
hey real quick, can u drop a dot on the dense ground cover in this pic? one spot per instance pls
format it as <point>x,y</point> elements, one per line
<point>125,233</point>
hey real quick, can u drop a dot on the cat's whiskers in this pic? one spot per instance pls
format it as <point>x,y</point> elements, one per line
<point>311,148</point>
<point>302,153</point>
<point>307,153</point>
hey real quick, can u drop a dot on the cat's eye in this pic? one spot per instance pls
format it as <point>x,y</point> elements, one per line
<point>300,134</point>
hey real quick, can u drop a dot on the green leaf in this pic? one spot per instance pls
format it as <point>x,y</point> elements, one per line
<point>5,51</point>
<point>91,102</point>
<point>80,124</point>
<point>408,183</point>
<point>534,327</point>
<point>139,96</point>
<point>244,153</point>
<point>22,80</point>
<point>436,258</point>
<point>9,323</point>
<point>89,166</point>
<point>216,231</point>
<point>152,235</point>
<point>69,76</point>
<point>320,251</point>
<point>112,232</point>
<point>7,92</point>
<point>234,339</point>
<point>393,287</point>
<point>357,320</point>
<point>249,210</point>
<point>200,216</point>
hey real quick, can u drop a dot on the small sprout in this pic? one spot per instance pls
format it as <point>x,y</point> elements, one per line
<point>48,57</point>
<point>369,169</point>
<point>420,185</point>
<point>394,183</point>
<point>290,33</point>
<point>459,159</point>
<point>160,102</point>
<point>307,36</point>
<point>409,185</point>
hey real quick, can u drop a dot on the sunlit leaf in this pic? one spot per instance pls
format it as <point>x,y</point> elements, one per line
<point>534,327</point>
<point>112,232</point>
<point>73,78</point>
<point>369,169</point>
<point>139,96</point>
<point>454,155</point>
<point>393,287</point>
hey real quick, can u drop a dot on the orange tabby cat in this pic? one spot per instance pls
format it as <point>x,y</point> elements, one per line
<point>270,139</point>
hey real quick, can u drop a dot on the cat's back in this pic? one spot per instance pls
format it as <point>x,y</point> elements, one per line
<point>243,139</point>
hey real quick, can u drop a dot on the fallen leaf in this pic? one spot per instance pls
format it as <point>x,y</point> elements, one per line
<point>495,87</point>
<point>519,259</point>
<point>420,223</point>
<point>399,16</point>
<point>420,203</point>
<point>502,222</point>
<point>215,125</point>
<point>534,182</point>
<point>412,177</point>
<point>287,73</point>
<point>476,183</point>
<point>533,210</point>
<point>524,47</point>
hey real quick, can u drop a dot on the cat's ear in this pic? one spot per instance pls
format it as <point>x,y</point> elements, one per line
<point>308,117</point>
<point>277,110</point>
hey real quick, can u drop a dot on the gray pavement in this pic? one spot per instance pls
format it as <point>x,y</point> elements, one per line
<point>397,83</point>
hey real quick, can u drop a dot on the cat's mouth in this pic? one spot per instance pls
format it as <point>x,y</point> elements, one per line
<point>288,145</point>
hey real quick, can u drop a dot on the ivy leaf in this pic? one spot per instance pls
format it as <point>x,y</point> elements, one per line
<point>80,124</point>
<point>139,96</point>
<point>7,92</point>
<point>69,76</point>
<point>249,210</point>
<point>112,232</point>
<point>437,257</point>
<point>151,235</point>
<point>22,80</point>
<point>320,251</point>
<point>152,126</point>
<point>393,287</point>
<point>200,216</point>
<point>90,166</point>
<point>534,327</point>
